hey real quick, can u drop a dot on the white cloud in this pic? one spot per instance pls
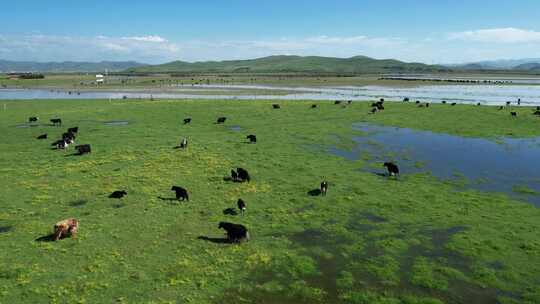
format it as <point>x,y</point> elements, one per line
<point>150,38</point>
<point>151,49</point>
<point>498,35</point>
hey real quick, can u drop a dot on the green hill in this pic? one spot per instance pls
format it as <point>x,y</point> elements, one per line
<point>292,64</point>
<point>66,66</point>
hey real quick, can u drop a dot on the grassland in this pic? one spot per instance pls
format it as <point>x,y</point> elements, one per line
<point>82,82</point>
<point>371,240</point>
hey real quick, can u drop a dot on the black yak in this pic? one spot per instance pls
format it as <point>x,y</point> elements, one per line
<point>392,168</point>
<point>236,233</point>
<point>68,137</point>
<point>313,106</point>
<point>61,144</point>
<point>56,122</point>
<point>243,175</point>
<point>83,149</point>
<point>324,187</point>
<point>453,104</point>
<point>252,138</point>
<point>42,136</point>
<point>276,106</point>
<point>241,205</point>
<point>187,120</point>
<point>221,120</point>
<point>183,143</point>
<point>118,194</point>
<point>181,193</point>
<point>234,175</point>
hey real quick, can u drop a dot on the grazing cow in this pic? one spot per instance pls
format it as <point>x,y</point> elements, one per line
<point>406,99</point>
<point>69,137</point>
<point>183,143</point>
<point>313,106</point>
<point>181,193</point>
<point>33,119</point>
<point>418,101</point>
<point>236,233</point>
<point>118,194</point>
<point>221,120</point>
<point>42,136</point>
<point>324,187</point>
<point>83,149</point>
<point>478,104</point>
<point>453,104</point>
<point>62,144</point>
<point>513,113</point>
<point>73,130</point>
<point>392,168</point>
<point>276,106</point>
<point>252,138</point>
<point>337,102</point>
<point>443,102</point>
<point>241,205</point>
<point>187,120</point>
<point>56,122</point>
<point>234,175</point>
<point>537,112</point>
<point>243,175</point>
<point>68,226</point>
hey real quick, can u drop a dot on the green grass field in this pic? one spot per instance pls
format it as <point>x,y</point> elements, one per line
<point>370,240</point>
<point>161,81</point>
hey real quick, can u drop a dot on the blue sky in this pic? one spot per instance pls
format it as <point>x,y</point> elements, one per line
<point>440,31</point>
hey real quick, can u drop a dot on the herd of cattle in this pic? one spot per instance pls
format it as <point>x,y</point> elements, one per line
<point>235,232</point>
<point>68,137</point>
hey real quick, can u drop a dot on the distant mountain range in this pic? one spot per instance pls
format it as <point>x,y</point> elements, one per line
<point>271,64</point>
<point>530,65</point>
<point>292,64</point>
<point>66,66</point>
